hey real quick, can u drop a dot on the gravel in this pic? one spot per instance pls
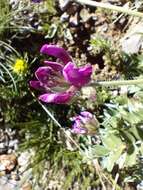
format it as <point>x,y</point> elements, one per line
<point>13,164</point>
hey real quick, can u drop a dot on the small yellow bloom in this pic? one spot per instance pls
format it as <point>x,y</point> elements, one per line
<point>20,66</point>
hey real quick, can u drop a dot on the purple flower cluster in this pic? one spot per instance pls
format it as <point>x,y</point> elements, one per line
<point>59,81</point>
<point>85,123</point>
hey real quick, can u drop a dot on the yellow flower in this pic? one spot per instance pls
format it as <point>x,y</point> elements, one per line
<point>20,66</point>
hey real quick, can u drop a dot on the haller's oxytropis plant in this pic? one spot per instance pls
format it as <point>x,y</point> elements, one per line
<point>85,123</point>
<point>58,81</point>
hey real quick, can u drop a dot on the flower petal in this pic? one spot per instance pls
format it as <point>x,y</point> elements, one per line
<point>57,52</point>
<point>77,76</point>
<point>57,98</point>
<point>40,86</point>
<point>86,114</point>
<point>54,65</point>
<point>42,74</point>
<point>36,84</point>
<point>77,129</point>
<point>85,117</point>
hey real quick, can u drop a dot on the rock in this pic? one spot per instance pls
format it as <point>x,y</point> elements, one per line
<point>139,5</point>
<point>63,4</point>
<point>64,17</point>
<point>3,150</point>
<point>23,160</point>
<point>15,146</point>
<point>133,40</point>
<point>74,20</point>
<point>4,140</point>
<point>12,143</point>
<point>15,176</point>
<point>140,186</point>
<point>10,151</point>
<point>8,162</point>
<point>27,186</point>
<point>2,167</point>
<point>13,3</point>
<point>89,93</point>
<point>2,145</point>
<point>2,173</point>
<point>6,184</point>
<point>85,15</point>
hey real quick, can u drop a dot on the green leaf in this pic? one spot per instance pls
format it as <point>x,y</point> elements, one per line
<point>111,141</point>
<point>52,31</point>
<point>141,149</point>
<point>128,137</point>
<point>137,132</point>
<point>113,157</point>
<point>51,6</point>
<point>131,156</point>
<point>99,151</point>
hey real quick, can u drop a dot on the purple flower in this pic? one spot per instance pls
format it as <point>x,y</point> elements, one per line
<point>36,1</point>
<point>85,123</point>
<point>59,81</point>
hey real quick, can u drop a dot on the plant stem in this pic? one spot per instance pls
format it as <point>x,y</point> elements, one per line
<point>59,125</point>
<point>110,7</point>
<point>115,182</point>
<point>99,172</point>
<point>117,82</point>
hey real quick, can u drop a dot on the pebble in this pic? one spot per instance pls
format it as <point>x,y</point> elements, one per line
<point>10,151</point>
<point>15,176</point>
<point>132,42</point>
<point>2,167</point>
<point>23,160</point>
<point>12,143</point>
<point>2,145</point>
<point>64,17</point>
<point>27,186</point>
<point>74,20</point>
<point>85,15</point>
<point>140,186</point>
<point>89,93</point>
<point>8,162</point>
<point>2,173</point>
<point>123,90</point>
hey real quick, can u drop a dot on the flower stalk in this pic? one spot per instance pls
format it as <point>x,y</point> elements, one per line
<point>117,83</point>
<point>111,7</point>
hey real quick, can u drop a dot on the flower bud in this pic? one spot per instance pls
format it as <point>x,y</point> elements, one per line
<point>85,123</point>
